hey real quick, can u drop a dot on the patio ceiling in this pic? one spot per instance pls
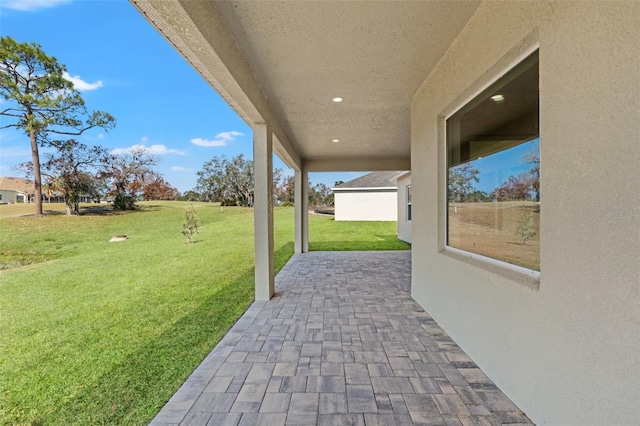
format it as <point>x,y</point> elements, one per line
<point>283,62</point>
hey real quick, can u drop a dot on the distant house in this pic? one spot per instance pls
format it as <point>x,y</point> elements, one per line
<point>15,190</point>
<point>373,196</point>
<point>403,182</point>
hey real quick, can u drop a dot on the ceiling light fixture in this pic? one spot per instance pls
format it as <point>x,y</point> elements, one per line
<point>336,100</point>
<point>497,98</point>
<point>335,140</point>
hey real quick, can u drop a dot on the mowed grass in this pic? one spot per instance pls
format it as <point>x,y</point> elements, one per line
<point>93,332</point>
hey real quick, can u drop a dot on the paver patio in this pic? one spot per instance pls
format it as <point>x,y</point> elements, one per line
<point>341,343</point>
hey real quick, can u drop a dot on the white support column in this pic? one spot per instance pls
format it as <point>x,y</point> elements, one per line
<point>263,211</point>
<point>305,209</point>
<point>301,192</point>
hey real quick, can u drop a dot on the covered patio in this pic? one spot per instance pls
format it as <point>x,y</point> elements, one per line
<point>341,343</point>
<point>365,86</point>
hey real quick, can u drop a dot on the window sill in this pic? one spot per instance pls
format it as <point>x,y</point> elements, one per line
<point>527,277</point>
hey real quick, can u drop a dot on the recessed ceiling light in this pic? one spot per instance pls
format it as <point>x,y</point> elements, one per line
<point>497,98</point>
<point>335,140</point>
<point>337,100</point>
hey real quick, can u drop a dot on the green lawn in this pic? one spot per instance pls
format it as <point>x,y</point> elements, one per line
<point>94,332</point>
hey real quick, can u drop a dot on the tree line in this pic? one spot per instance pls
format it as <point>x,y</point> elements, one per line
<point>523,187</point>
<point>231,182</point>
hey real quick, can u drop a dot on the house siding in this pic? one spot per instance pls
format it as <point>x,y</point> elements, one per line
<point>366,205</point>
<point>404,224</point>
<point>567,351</point>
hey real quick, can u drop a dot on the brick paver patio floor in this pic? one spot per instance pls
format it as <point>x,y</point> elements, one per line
<point>341,343</point>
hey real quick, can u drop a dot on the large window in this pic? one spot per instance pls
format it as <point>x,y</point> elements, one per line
<point>493,163</point>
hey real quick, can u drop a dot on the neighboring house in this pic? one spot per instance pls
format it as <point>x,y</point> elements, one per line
<point>405,210</point>
<point>369,197</point>
<point>561,339</point>
<point>15,190</point>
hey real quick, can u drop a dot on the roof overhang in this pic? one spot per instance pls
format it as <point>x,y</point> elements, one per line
<point>281,63</point>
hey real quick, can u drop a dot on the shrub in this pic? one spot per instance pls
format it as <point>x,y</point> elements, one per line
<point>123,202</point>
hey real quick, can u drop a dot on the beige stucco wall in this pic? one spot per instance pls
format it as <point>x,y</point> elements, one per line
<point>380,204</point>
<point>567,352</point>
<point>404,225</point>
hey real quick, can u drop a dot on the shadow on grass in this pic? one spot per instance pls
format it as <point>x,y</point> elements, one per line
<point>10,259</point>
<point>110,211</point>
<point>384,242</point>
<point>134,391</point>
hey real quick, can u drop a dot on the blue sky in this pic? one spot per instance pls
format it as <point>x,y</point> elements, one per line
<point>496,169</point>
<point>123,66</point>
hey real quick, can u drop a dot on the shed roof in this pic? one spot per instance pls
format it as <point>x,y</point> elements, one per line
<point>371,180</point>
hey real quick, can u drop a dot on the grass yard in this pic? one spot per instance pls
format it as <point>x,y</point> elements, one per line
<point>94,332</point>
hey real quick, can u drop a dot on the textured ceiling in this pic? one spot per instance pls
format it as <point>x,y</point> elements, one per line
<point>373,54</point>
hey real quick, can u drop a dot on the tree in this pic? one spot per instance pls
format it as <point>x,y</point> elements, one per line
<point>156,188</point>
<point>284,189</point>
<point>227,181</point>
<point>516,188</point>
<point>128,173</point>
<point>533,158</point>
<point>460,185</point>
<point>320,195</point>
<point>41,101</point>
<point>190,224</point>
<point>71,171</point>
<point>525,229</point>
<point>191,195</point>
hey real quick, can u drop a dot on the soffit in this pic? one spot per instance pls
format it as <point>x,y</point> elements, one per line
<point>300,55</point>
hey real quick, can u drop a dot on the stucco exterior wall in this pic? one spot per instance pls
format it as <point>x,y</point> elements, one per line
<point>8,196</point>
<point>404,225</point>
<point>566,352</point>
<point>366,205</point>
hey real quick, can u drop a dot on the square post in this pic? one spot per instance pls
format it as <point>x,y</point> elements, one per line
<point>301,192</point>
<point>263,211</point>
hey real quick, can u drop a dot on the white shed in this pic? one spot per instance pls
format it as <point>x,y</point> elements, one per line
<point>373,197</point>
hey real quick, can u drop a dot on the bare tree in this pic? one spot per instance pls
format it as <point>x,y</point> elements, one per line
<point>71,171</point>
<point>128,173</point>
<point>533,158</point>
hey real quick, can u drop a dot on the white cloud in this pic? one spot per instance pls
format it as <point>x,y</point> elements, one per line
<point>207,142</point>
<point>12,151</point>
<point>221,139</point>
<point>3,167</point>
<point>80,84</point>
<point>100,135</point>
<point>144,139</point>
<point>31,5</point>
<point>179,169</point>
<point>152,150</point>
